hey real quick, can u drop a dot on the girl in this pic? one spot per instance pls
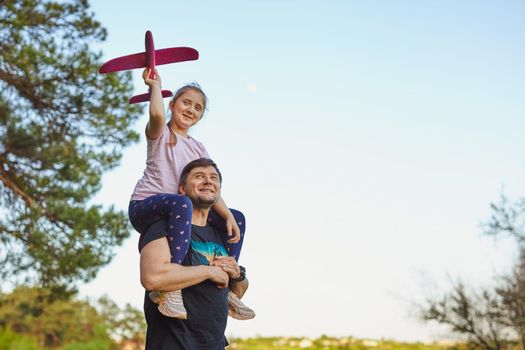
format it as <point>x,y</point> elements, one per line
<point>170,148</point>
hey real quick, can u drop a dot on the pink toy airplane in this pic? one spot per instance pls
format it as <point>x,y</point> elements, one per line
<point>149,59</point>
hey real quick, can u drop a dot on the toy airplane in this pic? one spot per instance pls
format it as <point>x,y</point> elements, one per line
<point>149,59</point>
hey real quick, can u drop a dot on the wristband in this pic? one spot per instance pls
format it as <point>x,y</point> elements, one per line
<point>242,274</point>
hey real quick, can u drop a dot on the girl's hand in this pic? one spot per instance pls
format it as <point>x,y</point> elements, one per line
<point>228,265</point>
<point>149,81</point>
<point>233,230</point>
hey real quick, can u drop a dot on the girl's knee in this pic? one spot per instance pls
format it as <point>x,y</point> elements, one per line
<point>185,204</point>
<point>181,208</point>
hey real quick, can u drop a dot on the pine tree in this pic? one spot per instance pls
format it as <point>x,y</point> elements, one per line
<point>62,125</point>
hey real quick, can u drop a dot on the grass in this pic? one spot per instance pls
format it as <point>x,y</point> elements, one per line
<point>332,343</point>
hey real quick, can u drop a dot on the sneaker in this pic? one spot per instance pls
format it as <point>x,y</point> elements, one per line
<point>154,296</point>
<point>237,309</point>
<point>171,304</point>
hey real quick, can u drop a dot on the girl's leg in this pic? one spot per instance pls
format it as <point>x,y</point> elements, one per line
<point>236,307</point>
<point>233,249</point>
<point>177,209</point>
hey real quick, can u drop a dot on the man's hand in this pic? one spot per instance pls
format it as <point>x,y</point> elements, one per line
<point>233,230</point>
<point>220,277</point>
<point>228,265</point>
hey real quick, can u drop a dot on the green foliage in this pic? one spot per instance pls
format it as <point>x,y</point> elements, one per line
<point>332,343</point>
<point>31,312</point>
<point>126,324</point>
<point>10,340</point>
<point>96,344</point>
<point>31,318</point>
<point>61,126</point>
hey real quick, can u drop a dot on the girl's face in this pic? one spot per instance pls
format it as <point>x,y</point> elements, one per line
<point>187,110</point>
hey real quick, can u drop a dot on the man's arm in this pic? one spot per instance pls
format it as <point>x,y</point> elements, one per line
<point>230,266</point>
<point>158,273</point>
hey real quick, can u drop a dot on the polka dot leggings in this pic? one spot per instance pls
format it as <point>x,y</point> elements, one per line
<point>178,210</point>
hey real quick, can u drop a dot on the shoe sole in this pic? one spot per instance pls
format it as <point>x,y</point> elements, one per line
<point>166,312</point>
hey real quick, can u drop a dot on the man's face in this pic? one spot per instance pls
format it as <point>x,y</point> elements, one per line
<point>202,186</point>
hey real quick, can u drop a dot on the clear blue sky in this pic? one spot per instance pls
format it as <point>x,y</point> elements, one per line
<point>364,141</point>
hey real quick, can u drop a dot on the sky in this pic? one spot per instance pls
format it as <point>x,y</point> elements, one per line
<point>363,140</point>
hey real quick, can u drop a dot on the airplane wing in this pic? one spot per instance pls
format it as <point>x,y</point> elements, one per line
<point>137,60</point>
<point>146,97</point>
<point>175,54</point>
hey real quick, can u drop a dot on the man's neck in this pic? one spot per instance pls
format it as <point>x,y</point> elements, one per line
<point>199,216</point>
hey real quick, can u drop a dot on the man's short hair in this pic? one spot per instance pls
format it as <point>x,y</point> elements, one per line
<point>198,163</point>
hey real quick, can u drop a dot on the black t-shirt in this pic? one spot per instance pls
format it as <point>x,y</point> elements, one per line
<point>206,304</point>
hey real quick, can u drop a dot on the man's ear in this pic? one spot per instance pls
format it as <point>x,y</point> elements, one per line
<point>181,190</point>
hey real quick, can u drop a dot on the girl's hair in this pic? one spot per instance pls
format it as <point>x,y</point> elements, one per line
<point>191,86</point>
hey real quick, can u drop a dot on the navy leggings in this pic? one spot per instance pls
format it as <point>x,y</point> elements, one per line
<point>178,209</point>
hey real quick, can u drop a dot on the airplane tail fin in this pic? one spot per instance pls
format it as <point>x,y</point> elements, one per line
<point>145,97</point>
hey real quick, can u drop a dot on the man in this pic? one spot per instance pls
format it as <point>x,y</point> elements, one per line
<point>204,277</point>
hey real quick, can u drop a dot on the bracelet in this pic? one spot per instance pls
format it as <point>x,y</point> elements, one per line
<point>242,274</point>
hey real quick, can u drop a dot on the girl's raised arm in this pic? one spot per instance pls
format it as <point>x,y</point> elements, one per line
<point>157,115</point>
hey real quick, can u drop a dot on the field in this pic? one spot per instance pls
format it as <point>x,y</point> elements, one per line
<point>329,343</point>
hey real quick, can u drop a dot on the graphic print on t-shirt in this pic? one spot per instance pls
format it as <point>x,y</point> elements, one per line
<point>207,251</point>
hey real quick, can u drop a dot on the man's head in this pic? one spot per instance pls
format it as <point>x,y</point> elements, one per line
<point>201,182</point>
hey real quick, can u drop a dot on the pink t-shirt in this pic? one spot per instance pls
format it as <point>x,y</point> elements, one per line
<point>164,164</point>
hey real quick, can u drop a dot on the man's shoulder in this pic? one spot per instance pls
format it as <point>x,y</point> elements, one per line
<point>156,230</point>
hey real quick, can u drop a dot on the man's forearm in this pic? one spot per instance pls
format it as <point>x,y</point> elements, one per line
<point>158,273</point>
<point>173,277</point>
